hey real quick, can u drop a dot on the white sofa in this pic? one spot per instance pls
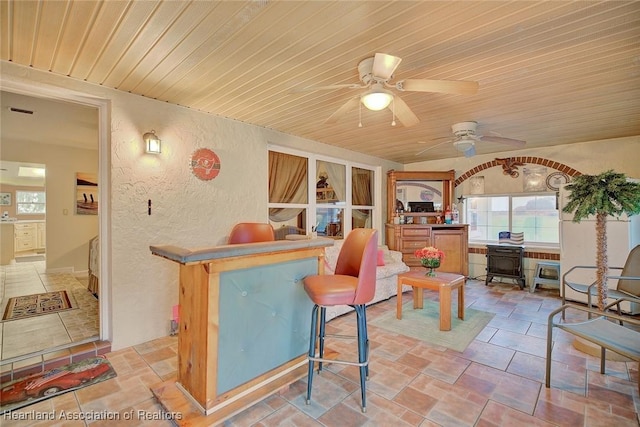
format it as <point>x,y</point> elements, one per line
<point>386,275</point>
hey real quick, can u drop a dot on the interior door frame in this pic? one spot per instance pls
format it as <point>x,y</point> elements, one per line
<point>104,182</point>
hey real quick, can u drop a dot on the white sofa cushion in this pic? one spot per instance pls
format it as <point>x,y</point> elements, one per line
<point>386,275</point>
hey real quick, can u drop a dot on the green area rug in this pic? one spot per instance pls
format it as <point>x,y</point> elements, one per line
<point>424,324</point>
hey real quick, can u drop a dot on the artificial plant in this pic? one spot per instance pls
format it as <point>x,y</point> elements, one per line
<point>607,194</point>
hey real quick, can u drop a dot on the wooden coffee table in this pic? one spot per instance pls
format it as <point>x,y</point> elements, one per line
<point>444,283</point>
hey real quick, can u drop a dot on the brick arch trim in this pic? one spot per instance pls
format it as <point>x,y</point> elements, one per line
<point>522,159</point>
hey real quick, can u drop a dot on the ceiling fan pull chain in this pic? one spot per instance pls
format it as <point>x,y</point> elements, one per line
<point>393,111</point>
<point>360,114</point>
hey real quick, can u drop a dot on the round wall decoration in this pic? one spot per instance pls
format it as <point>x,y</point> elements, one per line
<point>426,195</point>
<point>556,179</point>
<point>205,164</point>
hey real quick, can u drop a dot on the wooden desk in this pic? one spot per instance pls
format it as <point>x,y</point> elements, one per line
<point>443,283</point>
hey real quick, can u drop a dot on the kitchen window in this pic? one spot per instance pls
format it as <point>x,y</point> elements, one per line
<point>30,202</point>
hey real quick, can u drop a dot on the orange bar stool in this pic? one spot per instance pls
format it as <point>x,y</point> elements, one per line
<point>251,232</point>
<point>353,284</point>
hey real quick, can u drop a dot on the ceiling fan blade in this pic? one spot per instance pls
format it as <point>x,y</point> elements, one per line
<point>470,152</point>
<point>384,65</point>
<point>329,87</point>
<point>351,104</point>
<point>403,112</point>
<point>501,140</point>
<point>433,146</point>
<point>458,87</point>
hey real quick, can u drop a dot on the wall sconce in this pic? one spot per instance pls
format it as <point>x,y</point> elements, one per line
<point>378,98</point>
<point>152,142</point>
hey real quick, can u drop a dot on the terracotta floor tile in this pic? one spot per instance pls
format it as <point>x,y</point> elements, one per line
<point>558,415</point>
<point>519,342</point>
<point>496,414</point>
<point>343,416</point>
<point>415,400</point>
<point>488,354</point>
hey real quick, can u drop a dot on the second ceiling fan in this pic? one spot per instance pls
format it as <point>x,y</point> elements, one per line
<point>465,137</point>
<point>375,77</point>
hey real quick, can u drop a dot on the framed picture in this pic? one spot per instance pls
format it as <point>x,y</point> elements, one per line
<point>535,179</point>
<point>5,199</point>
<point>86,194</point>
<point>476,184</point>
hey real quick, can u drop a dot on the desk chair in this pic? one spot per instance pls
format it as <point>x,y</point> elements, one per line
<point>251,232</point>
<point>353,284</point>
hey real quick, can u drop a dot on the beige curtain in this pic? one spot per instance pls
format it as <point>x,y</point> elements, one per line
<point>361,195</point>
<point>287,184</point>
<point>337,178</point>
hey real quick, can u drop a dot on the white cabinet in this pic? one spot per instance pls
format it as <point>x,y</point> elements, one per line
<point>26,236</point>
<point>41,238</point>
<point>29,236</point>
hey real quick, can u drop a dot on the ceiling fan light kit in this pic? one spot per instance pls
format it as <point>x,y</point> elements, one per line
<point>377,99</point>
<point>464,144</point>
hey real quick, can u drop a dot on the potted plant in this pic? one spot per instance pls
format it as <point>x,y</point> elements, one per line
<point>608,193</point>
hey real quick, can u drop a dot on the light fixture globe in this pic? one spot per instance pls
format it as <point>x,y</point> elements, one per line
<point>152,142</point>
<point>377,99</point>
<point>464,144</point>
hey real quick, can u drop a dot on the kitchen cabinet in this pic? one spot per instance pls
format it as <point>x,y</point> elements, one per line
<point>29,236</point>
<point>7,242</point>
<point>41,239</point>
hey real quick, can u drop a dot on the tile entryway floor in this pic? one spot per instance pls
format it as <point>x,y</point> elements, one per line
<point>35,334</point>
<point>497,381</point>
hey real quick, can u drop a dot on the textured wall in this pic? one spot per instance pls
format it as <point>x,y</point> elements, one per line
<point>185,211</point>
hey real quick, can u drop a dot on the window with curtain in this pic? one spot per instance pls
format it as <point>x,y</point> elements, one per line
<point>362,197</point>
<point>288,188</point>
<point>318,194</point>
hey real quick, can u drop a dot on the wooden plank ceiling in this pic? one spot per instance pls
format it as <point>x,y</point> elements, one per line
<point>549,72</point>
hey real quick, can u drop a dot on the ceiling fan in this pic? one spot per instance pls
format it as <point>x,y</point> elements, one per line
<point>465,137</point>
<point>375,76</point>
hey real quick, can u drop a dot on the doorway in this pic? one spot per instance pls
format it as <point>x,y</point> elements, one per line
<point>59,138</point>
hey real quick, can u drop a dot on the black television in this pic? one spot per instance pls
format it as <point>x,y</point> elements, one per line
<point>421,207</point>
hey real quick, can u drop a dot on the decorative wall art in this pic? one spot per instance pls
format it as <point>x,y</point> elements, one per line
<point>205,164</point>
<point>5,199</point>
<point>510,166</point>
<point>476,185</point>
<point>556,179</point>
<point>86,193</point>
<point>535,178</point>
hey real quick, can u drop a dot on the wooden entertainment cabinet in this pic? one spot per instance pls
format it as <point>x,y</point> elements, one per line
<point>453,239</point>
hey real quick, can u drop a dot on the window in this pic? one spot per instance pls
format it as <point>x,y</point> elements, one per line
<point>534,215</point>
<point>30,202</point>
<point>315,193</point>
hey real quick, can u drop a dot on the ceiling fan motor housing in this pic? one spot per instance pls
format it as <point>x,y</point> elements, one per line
<point>365,70</point>
<point>464,129</point>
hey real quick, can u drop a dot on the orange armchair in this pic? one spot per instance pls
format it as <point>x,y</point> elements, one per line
<point>251,232</point>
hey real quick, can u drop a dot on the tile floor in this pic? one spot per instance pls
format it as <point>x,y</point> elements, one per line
<point>497,381</point>
<point>34,334</point>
